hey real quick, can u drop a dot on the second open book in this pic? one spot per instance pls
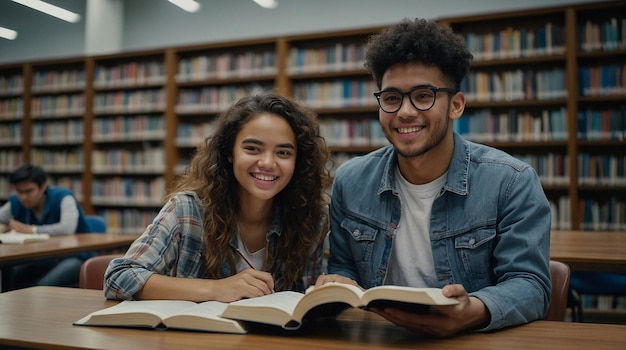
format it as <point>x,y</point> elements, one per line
<point>285,309</point>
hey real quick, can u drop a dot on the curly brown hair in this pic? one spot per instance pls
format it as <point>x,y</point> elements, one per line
<point>302,203</point>
<point>422,41</point>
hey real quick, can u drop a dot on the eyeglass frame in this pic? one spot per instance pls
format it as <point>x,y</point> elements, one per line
<point>408,93</point>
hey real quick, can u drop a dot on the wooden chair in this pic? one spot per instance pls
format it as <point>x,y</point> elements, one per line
<point>560,289</point>
<point>92,271</point>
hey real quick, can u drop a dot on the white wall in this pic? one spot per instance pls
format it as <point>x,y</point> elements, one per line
<point>158,24</point>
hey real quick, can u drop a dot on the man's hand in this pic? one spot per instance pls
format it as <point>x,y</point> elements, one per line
<point>448,320</point>
<point>323,279</point>
<point>20,227</point>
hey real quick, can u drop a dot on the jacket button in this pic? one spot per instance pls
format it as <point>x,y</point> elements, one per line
<point>393,225</point>
<point>388,235</point>
<point>472,241</point>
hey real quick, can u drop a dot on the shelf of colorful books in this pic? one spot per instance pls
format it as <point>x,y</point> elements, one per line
<point>127,220</point>
<point>602,210</point>
<point>128,190</point>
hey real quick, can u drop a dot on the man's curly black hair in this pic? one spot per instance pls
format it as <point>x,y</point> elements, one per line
<point>422,41</point>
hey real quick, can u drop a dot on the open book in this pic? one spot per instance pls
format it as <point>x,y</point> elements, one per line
<point>289,309</point>
<point>286,309</point>
<point>164,314</point>
<point>13,237</point>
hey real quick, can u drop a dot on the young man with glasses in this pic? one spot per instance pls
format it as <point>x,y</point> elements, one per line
<point>433,209</point>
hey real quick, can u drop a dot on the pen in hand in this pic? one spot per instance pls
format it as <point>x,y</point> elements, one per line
<point>244,258</point>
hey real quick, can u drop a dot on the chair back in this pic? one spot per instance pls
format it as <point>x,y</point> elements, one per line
<point>97,223</point>
<point>92,271</point>
<point>560,286</point>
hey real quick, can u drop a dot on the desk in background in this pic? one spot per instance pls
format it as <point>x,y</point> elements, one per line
<point>58,245</point>
<point>41,317</point>
<point>590,250</point>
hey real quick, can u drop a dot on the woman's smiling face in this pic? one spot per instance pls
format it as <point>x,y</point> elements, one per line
<point>264,156</point>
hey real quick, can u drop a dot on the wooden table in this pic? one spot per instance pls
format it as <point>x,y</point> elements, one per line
<point>41,317</point>
<point>11,254</point>
<point>590,250</point>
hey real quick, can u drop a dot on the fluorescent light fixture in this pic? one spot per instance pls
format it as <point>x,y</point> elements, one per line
<point>187,5</point>
<point>7,33</point>
<point>51,10</point>
<point>268,4</point>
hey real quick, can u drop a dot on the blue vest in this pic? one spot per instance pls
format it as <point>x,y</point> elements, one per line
<point>51,211</point>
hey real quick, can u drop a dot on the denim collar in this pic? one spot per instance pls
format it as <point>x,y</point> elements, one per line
<point>458,170</point>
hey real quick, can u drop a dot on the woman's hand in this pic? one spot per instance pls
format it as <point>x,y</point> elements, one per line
<point>248,283</point>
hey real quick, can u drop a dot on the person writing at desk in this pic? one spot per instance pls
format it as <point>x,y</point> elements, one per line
<point>254,195</point>
<point>39,207</point>
<point>433,209</point>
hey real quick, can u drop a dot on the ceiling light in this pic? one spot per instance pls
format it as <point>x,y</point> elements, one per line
<point>7,33</point>
<point>51,10</point>
<point>268,4</point>
<point>187,5</point>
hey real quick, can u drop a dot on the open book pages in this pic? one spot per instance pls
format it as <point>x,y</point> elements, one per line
<point>13,237</point>
<point>165,314</point>
<point>290,309</point>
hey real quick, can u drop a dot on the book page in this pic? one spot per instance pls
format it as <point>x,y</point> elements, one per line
<point>425,296</point>
<point>275,308</point>
<point>205,317</point>
<point>13,237</point>
<point>139,313</point>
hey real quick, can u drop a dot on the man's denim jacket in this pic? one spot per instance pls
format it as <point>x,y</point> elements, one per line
<point>489,228</point>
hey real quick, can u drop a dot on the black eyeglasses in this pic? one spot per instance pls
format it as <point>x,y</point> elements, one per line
<point>421,97</point>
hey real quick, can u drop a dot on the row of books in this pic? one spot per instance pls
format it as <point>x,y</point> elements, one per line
<point>192,134</point>
<point>68,131</point>
<point>11,159</point>
<point>602,169</point>
<point>58,106</point>
<point>11,84</point>
<point>606,35</point>
<point>560,209</point>
<point>510,42</point>
<point>61,160</point>
<point>213,99</point>
<point>337,57</point>
<point>123,161</point>
<point>599,80</point>
<point>552,168</point>
<point>605,124</point>
<point>128,191</point>
<point>11,109</point>
<point>11,134</point>
<point>227,65</point>
<point>336,93</point>
<point>515,85</point>
<point>609,215</point>
<point>58,80</point>
<point>603,302</point>
<point>140,101</point>
<point>130,74</point>
<point>129,128</point>
<point>514,125</point>
<point>352,132</point>
<point>127,221</point>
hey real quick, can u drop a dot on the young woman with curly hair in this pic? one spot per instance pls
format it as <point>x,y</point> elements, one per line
<point>248,217</point>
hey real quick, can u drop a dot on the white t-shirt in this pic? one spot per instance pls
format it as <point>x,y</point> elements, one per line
<point>411,262</point>
<point>257,259</point>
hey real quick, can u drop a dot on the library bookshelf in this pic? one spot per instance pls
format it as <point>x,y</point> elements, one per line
<point>125,125</point>
<point>549,86</point>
